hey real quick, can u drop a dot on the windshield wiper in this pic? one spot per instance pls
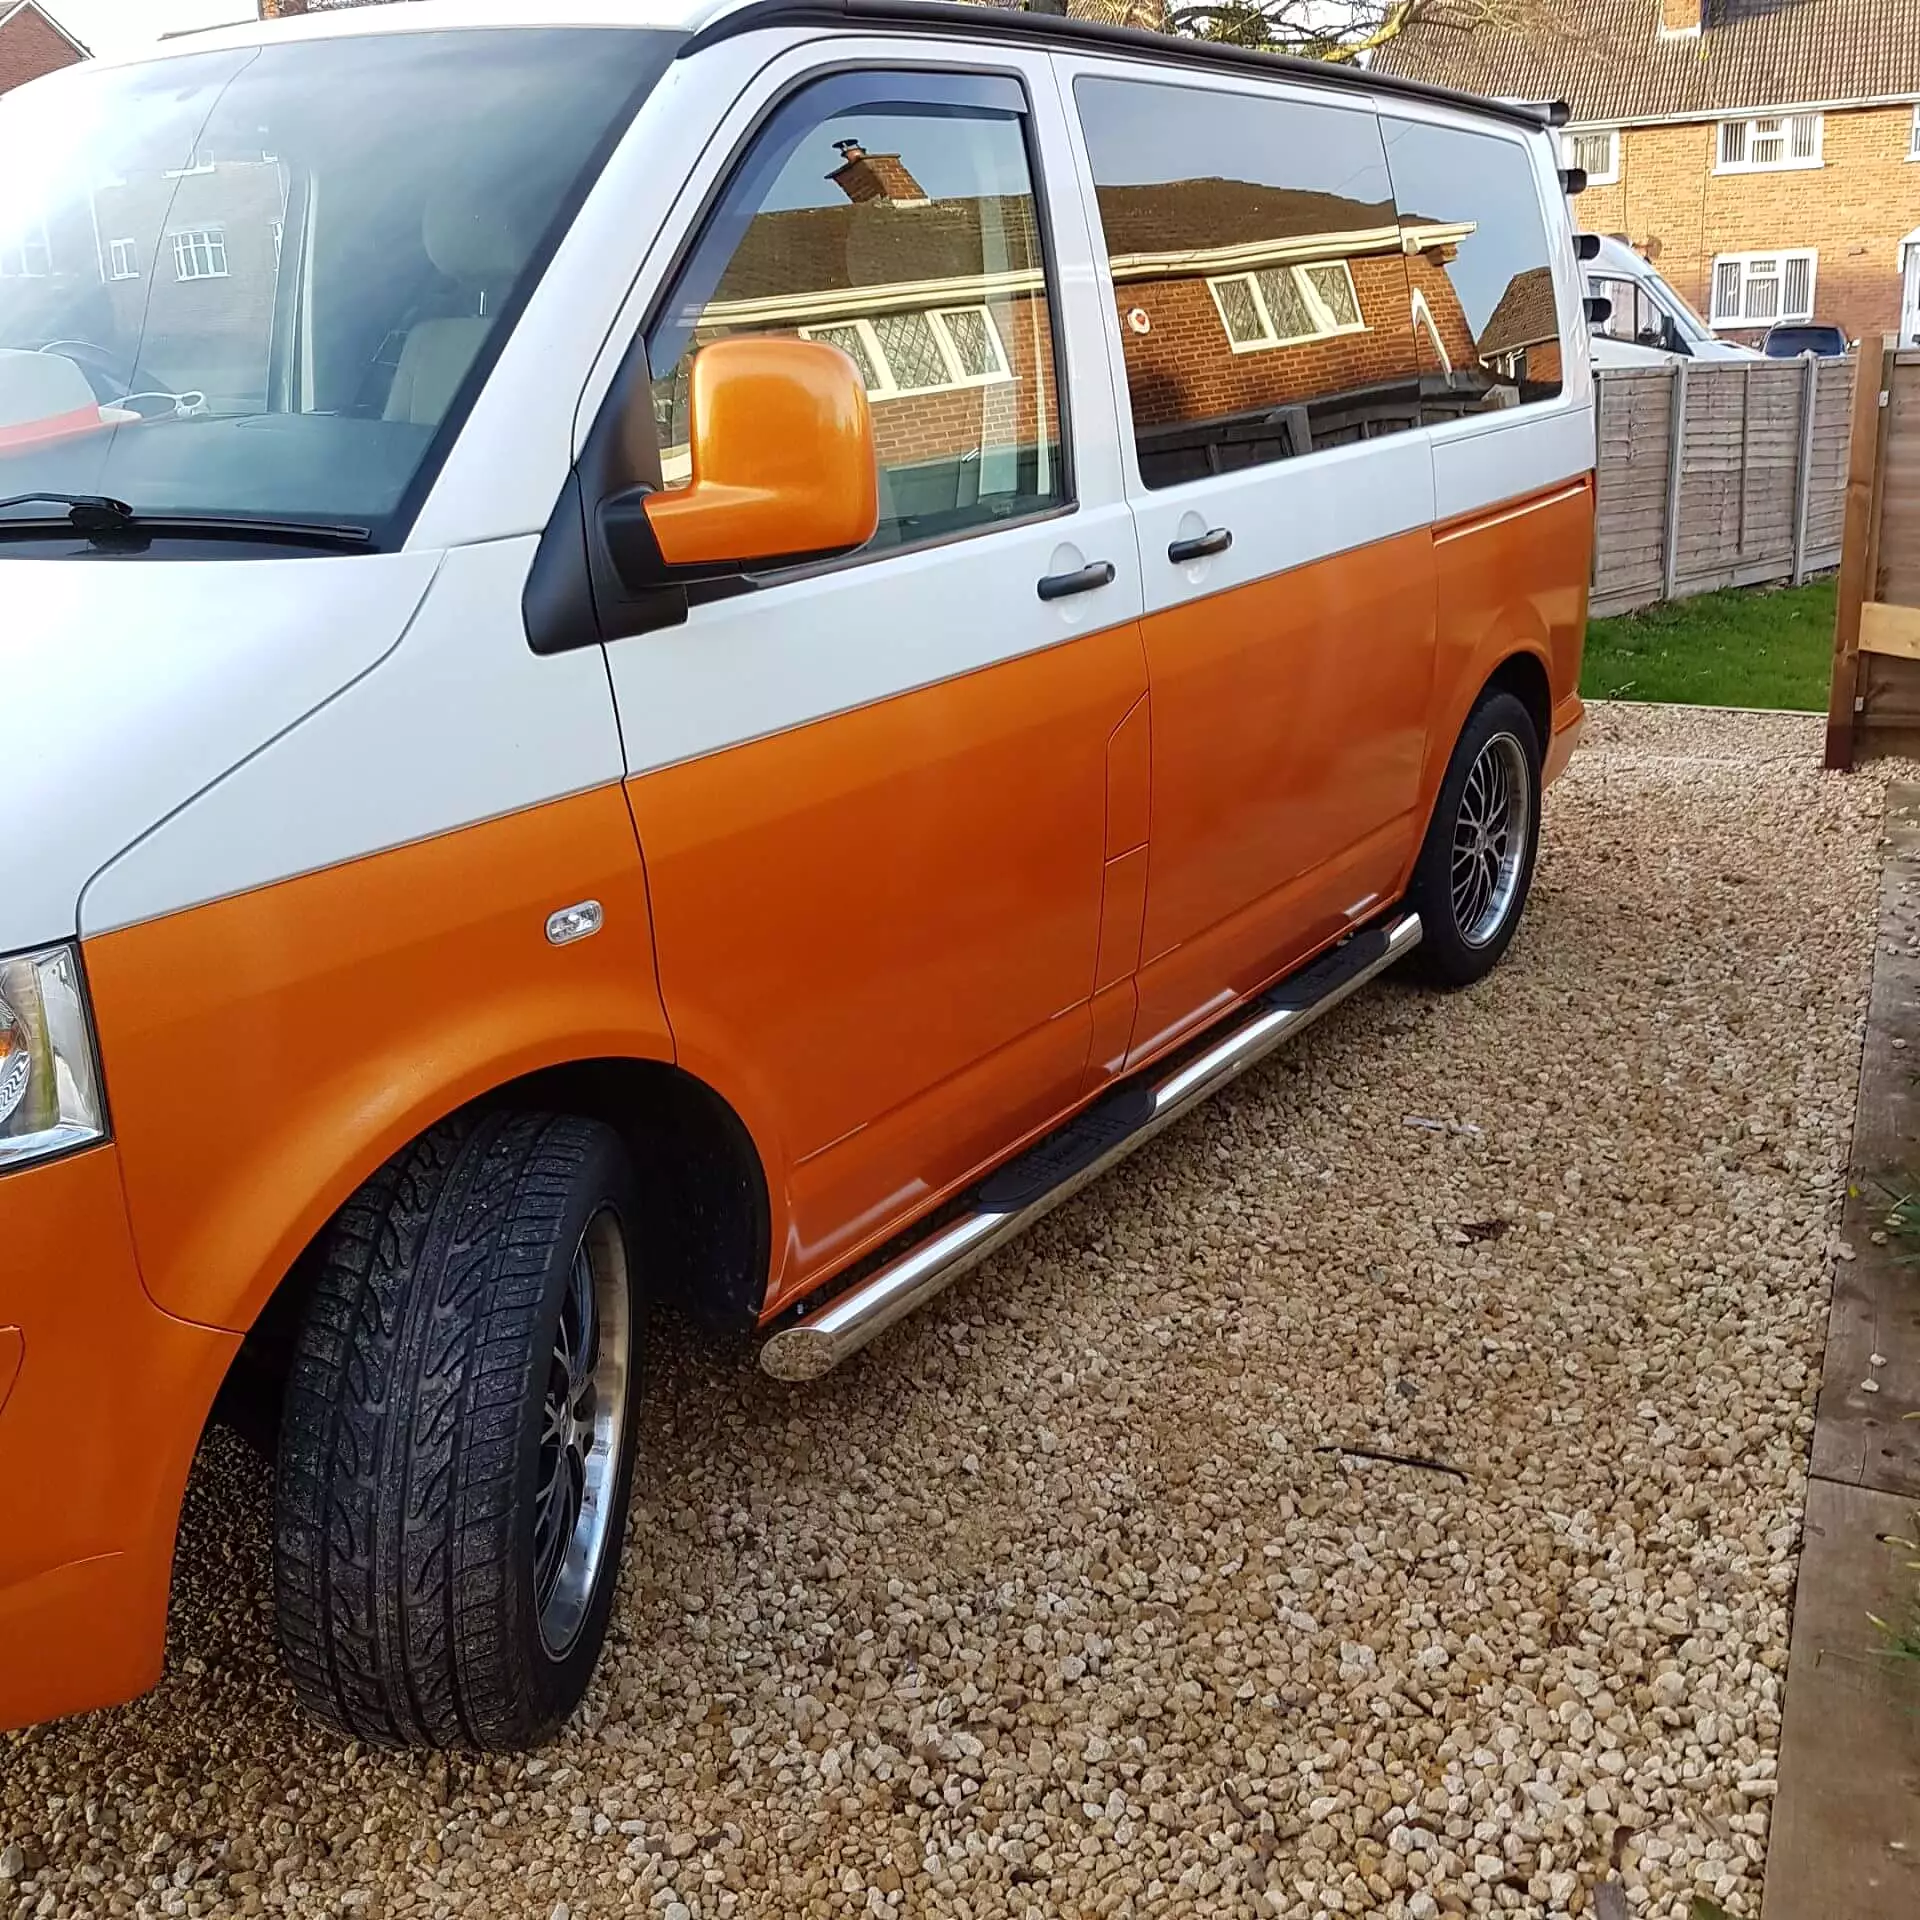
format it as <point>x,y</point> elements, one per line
<point>87,512</point>
<point>101,517</point>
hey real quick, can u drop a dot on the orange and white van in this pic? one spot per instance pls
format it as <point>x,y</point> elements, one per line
<point>654,652</point>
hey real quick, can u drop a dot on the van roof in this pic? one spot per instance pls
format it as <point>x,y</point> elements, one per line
<point>705,22</point>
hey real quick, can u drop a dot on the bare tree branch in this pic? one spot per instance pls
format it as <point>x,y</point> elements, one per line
<point>1342,31</point>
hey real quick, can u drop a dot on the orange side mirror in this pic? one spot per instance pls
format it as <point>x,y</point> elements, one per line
<point>783,457</point>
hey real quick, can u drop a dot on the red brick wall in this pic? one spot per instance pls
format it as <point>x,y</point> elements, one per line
<point>916,427</point>
<point>1855,209</point>
<point>30,47</point>
<point>1427,275</point>
<point>933,426</point>
<point>1184,368</point>
<point>210,334</point>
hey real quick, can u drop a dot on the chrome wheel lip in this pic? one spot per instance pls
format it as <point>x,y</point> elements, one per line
<point>583,1433</point>
<point>1492,833</point>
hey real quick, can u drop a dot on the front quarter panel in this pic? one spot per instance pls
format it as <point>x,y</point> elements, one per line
<point>264,1053</point>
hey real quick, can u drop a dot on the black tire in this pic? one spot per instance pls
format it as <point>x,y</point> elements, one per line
<point>1452,954</point>
<point>411,1439</point>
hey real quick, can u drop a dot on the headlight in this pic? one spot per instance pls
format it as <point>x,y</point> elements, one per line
<point>49,1090</point>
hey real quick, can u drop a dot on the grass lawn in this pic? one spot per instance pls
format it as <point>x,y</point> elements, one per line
<point>1747,647</point>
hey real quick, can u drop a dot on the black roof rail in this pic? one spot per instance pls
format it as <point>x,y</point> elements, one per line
<point>1055,30</point>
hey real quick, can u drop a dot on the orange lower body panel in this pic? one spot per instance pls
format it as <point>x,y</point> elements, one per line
<point>1569,723</point>
<point>1512,579</point>
<point>96,1437</point>
<point>1289,729</point>
<point>879,933</point>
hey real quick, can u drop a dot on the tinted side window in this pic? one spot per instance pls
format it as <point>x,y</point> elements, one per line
<point>1476,246</point>
<point>1262,300</point>
<point>903,231</point>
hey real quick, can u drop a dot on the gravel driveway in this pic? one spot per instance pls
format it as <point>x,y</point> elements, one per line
<point>1075,1596</point>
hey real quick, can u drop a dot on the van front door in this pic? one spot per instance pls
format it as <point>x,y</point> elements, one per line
<point>1263,319</point>
<point>873,796</point>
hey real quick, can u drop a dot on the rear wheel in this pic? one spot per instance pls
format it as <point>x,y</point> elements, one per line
<point>1476,866</point>
<point>456,1446</point>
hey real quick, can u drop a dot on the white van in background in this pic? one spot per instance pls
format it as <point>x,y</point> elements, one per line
<point>1650,323</point>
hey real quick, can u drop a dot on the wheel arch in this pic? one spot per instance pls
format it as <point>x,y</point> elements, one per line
<point>1516,666</point>
<point>1524,675</point>
<point>707,1233</point>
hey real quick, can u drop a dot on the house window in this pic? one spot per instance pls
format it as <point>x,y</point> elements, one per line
<point>1756,289</point>
<point>27,256</point>
<point>1596,151</point>
<point>1770,142</point>
<point>1279,306</point>
<point>124,260</point>
<point>1913,137</point>
<point>200,253</point>
<point>902,353</point>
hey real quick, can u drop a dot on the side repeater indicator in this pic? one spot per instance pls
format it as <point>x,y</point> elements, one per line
<point>573,923</point>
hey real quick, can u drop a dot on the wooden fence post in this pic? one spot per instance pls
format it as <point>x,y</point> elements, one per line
<point>1863,513</point>
<point>1676,459</point>
<point>1803,477</point>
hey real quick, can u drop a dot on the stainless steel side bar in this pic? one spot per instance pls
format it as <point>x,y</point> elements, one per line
<point>813,1346</point>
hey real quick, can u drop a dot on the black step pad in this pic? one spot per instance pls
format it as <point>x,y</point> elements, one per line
<point>1328,974</point>
<point>1061,1155</point>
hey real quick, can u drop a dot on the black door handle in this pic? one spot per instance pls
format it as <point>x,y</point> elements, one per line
<point>1057,586</point>
<point>1214,540</point>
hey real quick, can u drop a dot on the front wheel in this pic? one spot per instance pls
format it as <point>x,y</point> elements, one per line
<point>456,1447</point>
<point>1476,865</point>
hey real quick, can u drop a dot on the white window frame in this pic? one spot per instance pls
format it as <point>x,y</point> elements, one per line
<point>1777,126</point>
<point>200,253</point>
<point>1777,258</point>
<point>889,387</point>
<point>1913,136</point>
<point>1272,337</point>
<point>1607,176</point>
<point>123,260</point>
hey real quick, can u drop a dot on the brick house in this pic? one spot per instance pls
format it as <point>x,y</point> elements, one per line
<point>942,305</point>
<point>1765,156</point>
<point>32,43</point>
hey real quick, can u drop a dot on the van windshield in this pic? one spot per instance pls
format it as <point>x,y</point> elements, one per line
<point>260,283</point>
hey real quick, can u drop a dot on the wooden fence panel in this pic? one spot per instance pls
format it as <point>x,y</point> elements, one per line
<point>1827,475</point>
<point>1899,553</point>
<point>1636,413</point>
<point>1759,455</point>
<point>1874,697</point>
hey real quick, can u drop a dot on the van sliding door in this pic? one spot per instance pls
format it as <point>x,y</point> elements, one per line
<point>1262,343</point>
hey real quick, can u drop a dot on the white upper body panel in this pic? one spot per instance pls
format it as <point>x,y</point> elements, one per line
<point>460,723</point>
<point>185,730</point>
<point>132,686</point>
<point>433,16</point>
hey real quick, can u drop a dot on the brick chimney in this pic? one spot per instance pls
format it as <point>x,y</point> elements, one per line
<point>1682,19</point>
<point>864,177</point>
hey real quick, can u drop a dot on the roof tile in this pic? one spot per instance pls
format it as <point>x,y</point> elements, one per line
<point>1609,62</point>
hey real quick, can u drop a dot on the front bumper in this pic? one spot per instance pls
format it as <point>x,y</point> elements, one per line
<point>97,1432</point>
